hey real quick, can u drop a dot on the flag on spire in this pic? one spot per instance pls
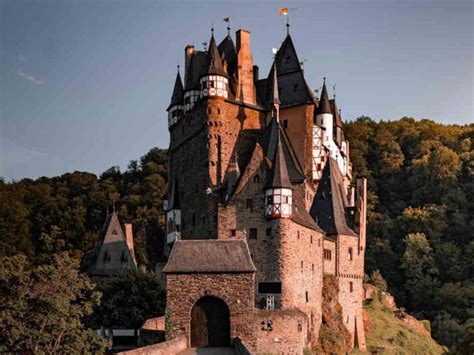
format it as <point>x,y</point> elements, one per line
<point>283,11</point>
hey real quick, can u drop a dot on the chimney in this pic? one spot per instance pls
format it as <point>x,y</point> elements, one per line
<point>245,68</point>
<point>188,51</point>
<point>129,238</point>
<point>255,73</point>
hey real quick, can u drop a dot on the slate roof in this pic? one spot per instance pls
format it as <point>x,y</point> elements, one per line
<point>111,242</point>
<point>329,207</point>
<point>269,142</point>
<point>335,112</point>
<point>229,54</point>
<point>178,93</point>
<point>274,95</point>
<point>293,87</point>
<point>279,173</point>
<point>300,215</point>
<point>324,104</point>
<point>214,59</point>
<point>213,256</point>
<point>197,67</point>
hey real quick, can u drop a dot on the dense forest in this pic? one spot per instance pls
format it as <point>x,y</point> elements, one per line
<point>420,219</point>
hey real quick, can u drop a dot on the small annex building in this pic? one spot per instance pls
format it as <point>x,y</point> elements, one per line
<point>114,250</point>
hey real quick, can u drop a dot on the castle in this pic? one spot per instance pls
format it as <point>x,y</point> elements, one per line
<point>260,205</point>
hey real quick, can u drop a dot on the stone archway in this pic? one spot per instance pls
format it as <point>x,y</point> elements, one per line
<point>210,323</point>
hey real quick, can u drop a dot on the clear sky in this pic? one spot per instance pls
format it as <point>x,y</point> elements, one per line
<point>84,84</point>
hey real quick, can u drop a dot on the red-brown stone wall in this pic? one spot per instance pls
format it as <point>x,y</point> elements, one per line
<point>330,264</point>
<point>288,334</point>
<point>236,290</point>
<point>302,271</point>
<point>350,275</point>
<point>300,128</point>
<point>199,161</point>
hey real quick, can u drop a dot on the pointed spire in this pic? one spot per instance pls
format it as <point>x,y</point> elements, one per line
<point>178,92</point>
<point>279,174</point>
<point>275,95</point>
<point>324,105</point>
<point>215,62</point>
<point>337,115</point>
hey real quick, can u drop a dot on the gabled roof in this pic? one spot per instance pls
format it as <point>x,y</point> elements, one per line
<point>214,59</point>
<point>286,58</point>
<point>324,104</point>
<point>269,142</point>
<point>329,207</point>
<point>178,93</point>
<point>293,88</point>
<point>279,173</point>
<point>111,243</point>
<point>209,256</point>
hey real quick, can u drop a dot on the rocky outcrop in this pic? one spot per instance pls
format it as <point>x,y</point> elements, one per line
<point>334,338</point>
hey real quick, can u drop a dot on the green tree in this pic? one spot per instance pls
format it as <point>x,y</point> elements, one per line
<point>129,299</point>
<point>42,308</point>
<point>378,281</point>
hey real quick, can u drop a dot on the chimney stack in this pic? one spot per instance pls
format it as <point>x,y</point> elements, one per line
<point>245,68</point>
<point>255,73</point>
<point>129,238</point>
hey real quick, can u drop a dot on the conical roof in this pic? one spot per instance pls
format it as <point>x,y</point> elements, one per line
<point>337,115</point>
<point>178,92</point>
<point>324,104</point>
<point>274,96</point>
<point>215,62</point>
<point>279,175</point>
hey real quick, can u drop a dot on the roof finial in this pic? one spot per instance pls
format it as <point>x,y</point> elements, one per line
<point>212,29</point>
<point>334,91</point>
<point>287,25</point>
<point>324,80</point>
<point>178,67</point>
<point>227,19</point>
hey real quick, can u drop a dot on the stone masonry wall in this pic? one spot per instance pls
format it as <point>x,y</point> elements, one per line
<point>350,275</point>
<point>280,331</point>
<point>236,290</point>
<point>201,146</point>
<point>302,272</point>
<point>300,131</point>
<point>330,264</point>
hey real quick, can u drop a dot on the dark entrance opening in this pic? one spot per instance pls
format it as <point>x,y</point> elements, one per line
<point>210,323</point>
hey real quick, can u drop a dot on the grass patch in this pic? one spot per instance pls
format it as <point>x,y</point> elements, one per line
<point>391,335</point>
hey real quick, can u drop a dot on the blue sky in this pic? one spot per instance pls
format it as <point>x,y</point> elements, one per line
<point>84,84</point>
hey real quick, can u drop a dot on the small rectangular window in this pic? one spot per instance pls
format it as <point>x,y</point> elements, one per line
<point>285,124</point>
<point>327,254</point>
<point>351,286</point>
<point>268,231</point>
<point>307,296</point>
<point>253,233</point>
<point>269,287</point>
<point>249,204</point>
<point>232,232</point>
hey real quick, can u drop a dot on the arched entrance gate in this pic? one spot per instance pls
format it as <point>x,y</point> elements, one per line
<point>210,323</point>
